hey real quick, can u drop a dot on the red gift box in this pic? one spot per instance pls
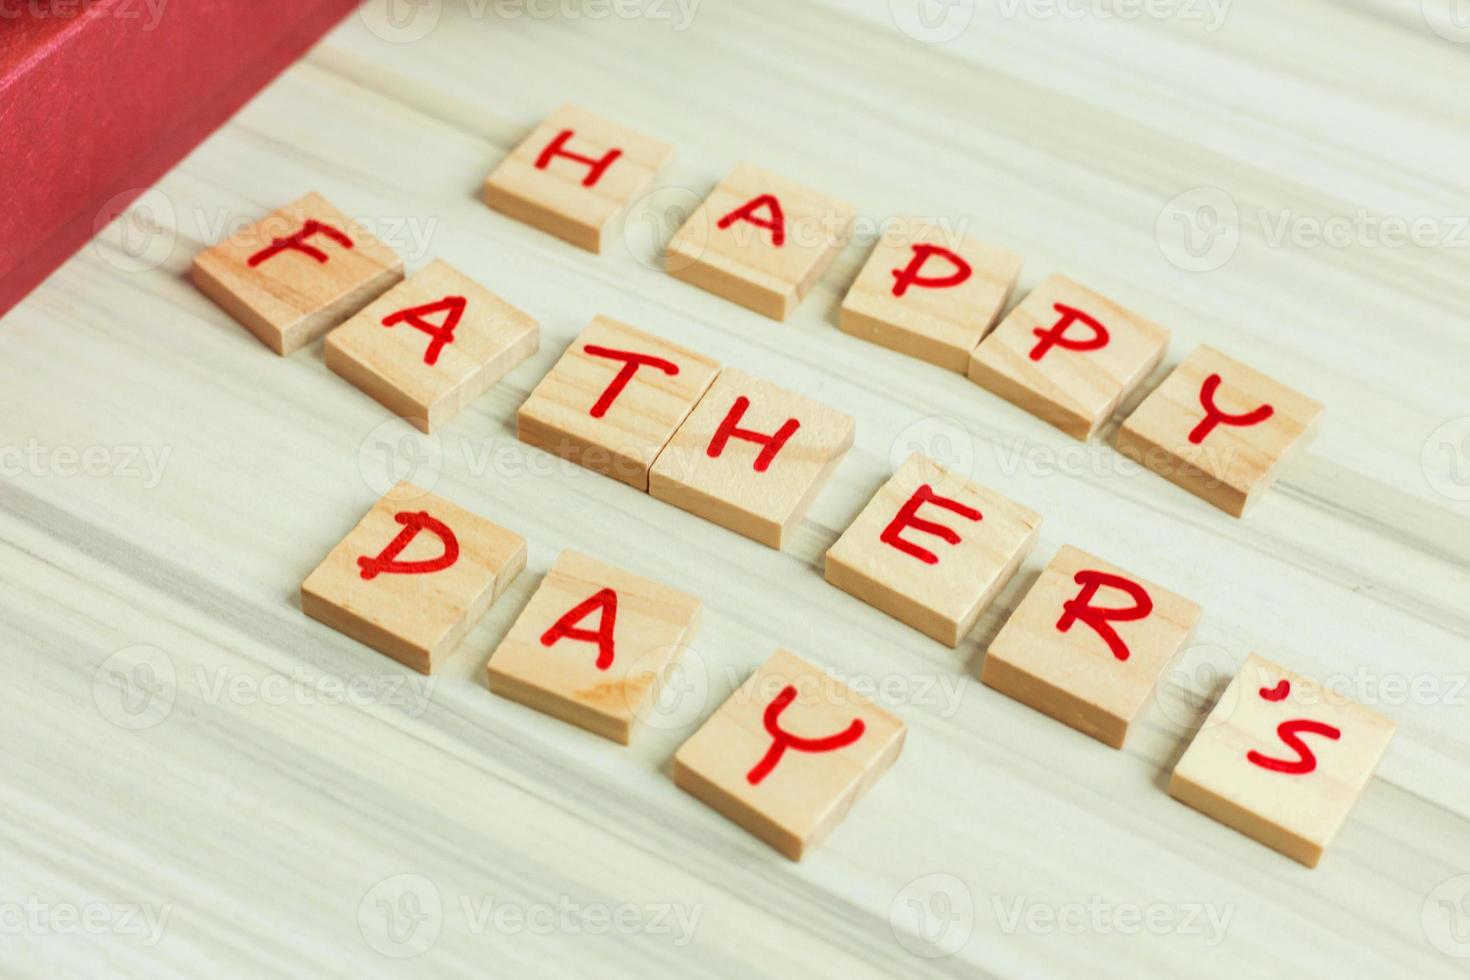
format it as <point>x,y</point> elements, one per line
<point>98,98</point>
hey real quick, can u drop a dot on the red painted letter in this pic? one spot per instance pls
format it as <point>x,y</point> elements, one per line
<point>908,516</point>
<point>730,428</point>
<point>1097,617</point>
<point>631,363</point>
<point>775,224</point>
<point>1214,417</point>
<point>413,522</point>
<point>784,740</point>
<point>909,274</point>
<point>297,242</point>
<point>443,333</point>
<point>598,165</point>
<point>1056,335</point>
<point>607,602</point>
<point>1305,760</point>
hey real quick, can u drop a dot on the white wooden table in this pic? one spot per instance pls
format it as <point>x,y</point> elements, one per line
<point>200,781</point>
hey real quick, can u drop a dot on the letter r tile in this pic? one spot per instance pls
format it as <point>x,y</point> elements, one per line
<point>931,549</point>
<point>431,345</point>
<point>413,576</point>
<point>594,645</point>
<point>929,292</point>
<point>575,174</point>
<point>1088,645</point>
<point>788,754</point>
<point>295,274</point>
<point>1219,429</point>
<point>751,457</point>
<point>1282,760</point>
<point>1069,356</point>
<point>615,399</point>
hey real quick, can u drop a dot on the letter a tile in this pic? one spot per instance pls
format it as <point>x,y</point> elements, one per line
<point>1282,760</point>
<point>294,275</point>
<point>1088,645</point>
<point>788,754</point>
<point>760,240</point>
<point>413,576</point>
<point>593,645</point>
<point>930,293</point>
<point>431,345</point>
<point>931,549</point>
<point>1219,429</point>
<point>615,399</point>
<point>1068,356</point>
<point>575,175</point>
<point>751,457</point>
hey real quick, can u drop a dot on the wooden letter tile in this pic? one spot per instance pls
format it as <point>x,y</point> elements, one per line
<point>789,754</point>
<point>575,175</point>
<point>930,293</point>
<point>751,457</point>
<point>297,273</point>
<point>1068,356</point>
<point>760,240</point>
<point>413,576</point>
<point>1218,429</point>
<point>1088,645</point>
<point>615,399</point>
<point>593,645</point>
<point>1282,760</point>
<point>932,549</point>
<point>431,345</point>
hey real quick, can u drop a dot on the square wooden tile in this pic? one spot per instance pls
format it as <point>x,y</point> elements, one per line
<point>413,576</point>
<point>1088,645</point>
<point>296,273</point>
<point>615,399</point>
<point>575,175</point>
<point>593,645</point>
<point>431,345</point>
<point>1219,429</point>
<point>788,754</point>
<point>931,549</point>
<point>1068,355</point>
<point>751,457</point>
<point>1282,760</point>
<point>760,240</point>
<point>929,292</point>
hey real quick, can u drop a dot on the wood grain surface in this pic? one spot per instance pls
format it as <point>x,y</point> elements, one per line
<point>200,781</point>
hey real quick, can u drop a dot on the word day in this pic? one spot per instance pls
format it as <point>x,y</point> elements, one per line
<point>1280,758</point>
